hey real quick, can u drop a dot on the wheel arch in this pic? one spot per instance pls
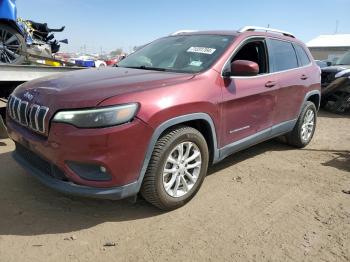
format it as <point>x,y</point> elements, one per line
<point>12,24</point>
<point>316,99</point>
<point>204,128</point>
<point>200,121</point>
<point>313,96</point>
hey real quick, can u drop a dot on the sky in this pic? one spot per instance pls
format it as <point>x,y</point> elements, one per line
<point>112,24</point>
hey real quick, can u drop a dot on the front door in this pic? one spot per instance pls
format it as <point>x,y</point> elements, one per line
<point>248,103</point>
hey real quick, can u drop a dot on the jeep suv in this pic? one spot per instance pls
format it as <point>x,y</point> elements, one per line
<point>155,122</point>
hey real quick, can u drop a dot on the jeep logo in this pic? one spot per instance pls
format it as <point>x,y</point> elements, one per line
<point>28,95</point>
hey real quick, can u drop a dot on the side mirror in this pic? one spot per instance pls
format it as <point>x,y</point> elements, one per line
<point>243,68</point>
<point>329,63</point>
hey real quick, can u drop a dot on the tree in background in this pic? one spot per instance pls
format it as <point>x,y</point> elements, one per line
<point>116,52</point>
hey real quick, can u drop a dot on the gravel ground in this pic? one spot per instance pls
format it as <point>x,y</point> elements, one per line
<point>267,203</point>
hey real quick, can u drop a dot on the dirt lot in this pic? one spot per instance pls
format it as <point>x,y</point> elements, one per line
<point>268,203</point>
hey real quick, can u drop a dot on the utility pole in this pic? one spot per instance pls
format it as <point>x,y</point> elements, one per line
<point>336,27</point>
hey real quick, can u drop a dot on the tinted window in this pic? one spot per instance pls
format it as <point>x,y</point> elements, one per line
<point>282,56</point>
<point>302,56</point>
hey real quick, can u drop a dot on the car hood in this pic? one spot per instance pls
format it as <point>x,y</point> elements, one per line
<point>89,87</point>
<point>335,68</point>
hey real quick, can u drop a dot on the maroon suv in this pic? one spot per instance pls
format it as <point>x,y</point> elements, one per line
<point>155,122</point>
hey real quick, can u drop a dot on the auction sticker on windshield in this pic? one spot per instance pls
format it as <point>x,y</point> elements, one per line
<point>202,50</point>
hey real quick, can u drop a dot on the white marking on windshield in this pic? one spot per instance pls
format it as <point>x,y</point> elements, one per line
<point>201,50</point>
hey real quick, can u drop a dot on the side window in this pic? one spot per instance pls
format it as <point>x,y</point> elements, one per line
<point>282,55</point>
<point>254,51</point>
<point>302,56</point>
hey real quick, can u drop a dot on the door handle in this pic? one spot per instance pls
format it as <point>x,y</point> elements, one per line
<point>303,77</point>
<point>270,84</point>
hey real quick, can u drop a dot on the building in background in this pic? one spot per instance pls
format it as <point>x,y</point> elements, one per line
<point>329,47</point>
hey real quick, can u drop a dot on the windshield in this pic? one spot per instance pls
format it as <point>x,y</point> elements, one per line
<point>344,60</point>
<point>189,54</point>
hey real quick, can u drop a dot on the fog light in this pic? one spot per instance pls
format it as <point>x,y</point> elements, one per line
<point>90,172</point>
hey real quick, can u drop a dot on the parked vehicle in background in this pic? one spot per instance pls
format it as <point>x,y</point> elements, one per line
<point>322,63</point>
<point>88,61</point>
<point>64,56</point>
<point>155,122</point>
<point>336,85</point>
<point>22,38</point>
<point>115,60</point>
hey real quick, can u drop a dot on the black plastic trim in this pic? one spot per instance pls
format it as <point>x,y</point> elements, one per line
<point>114,193</point>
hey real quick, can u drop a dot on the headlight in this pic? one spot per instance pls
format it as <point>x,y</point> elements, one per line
<point>99,117</point>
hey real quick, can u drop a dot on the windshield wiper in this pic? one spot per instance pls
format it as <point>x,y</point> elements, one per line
<point>147,68</point>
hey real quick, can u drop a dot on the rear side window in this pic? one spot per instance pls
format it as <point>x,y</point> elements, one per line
<point>282,55</point>
<point>302,56</point>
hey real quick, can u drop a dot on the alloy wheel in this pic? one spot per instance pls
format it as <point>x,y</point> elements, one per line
<point>308,125</point>
<point>182,169</point>
<point>10,47</point>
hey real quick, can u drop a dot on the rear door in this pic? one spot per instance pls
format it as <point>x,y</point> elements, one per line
<point>291,76</point>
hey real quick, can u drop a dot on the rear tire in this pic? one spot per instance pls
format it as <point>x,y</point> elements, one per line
<point>305,127</point>
<point>12,46</point>
<point>172,178</point>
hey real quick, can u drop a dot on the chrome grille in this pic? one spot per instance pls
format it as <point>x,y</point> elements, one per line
<point>32,116</point>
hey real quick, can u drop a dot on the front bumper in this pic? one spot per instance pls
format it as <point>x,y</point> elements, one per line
<point>66,187</point>
<point>121,150</point>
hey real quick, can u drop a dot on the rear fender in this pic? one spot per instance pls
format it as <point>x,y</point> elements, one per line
<point>308,96</point>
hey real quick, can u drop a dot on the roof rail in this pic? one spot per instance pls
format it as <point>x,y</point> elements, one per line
<point>183,31</point>
<point>266,29</point>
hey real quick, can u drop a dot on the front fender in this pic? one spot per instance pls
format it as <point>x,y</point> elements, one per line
<point>169,123</point>
<point>8,10</point>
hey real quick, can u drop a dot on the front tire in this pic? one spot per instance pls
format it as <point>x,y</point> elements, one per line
<point>177,168</point>
<point>305,126</point>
